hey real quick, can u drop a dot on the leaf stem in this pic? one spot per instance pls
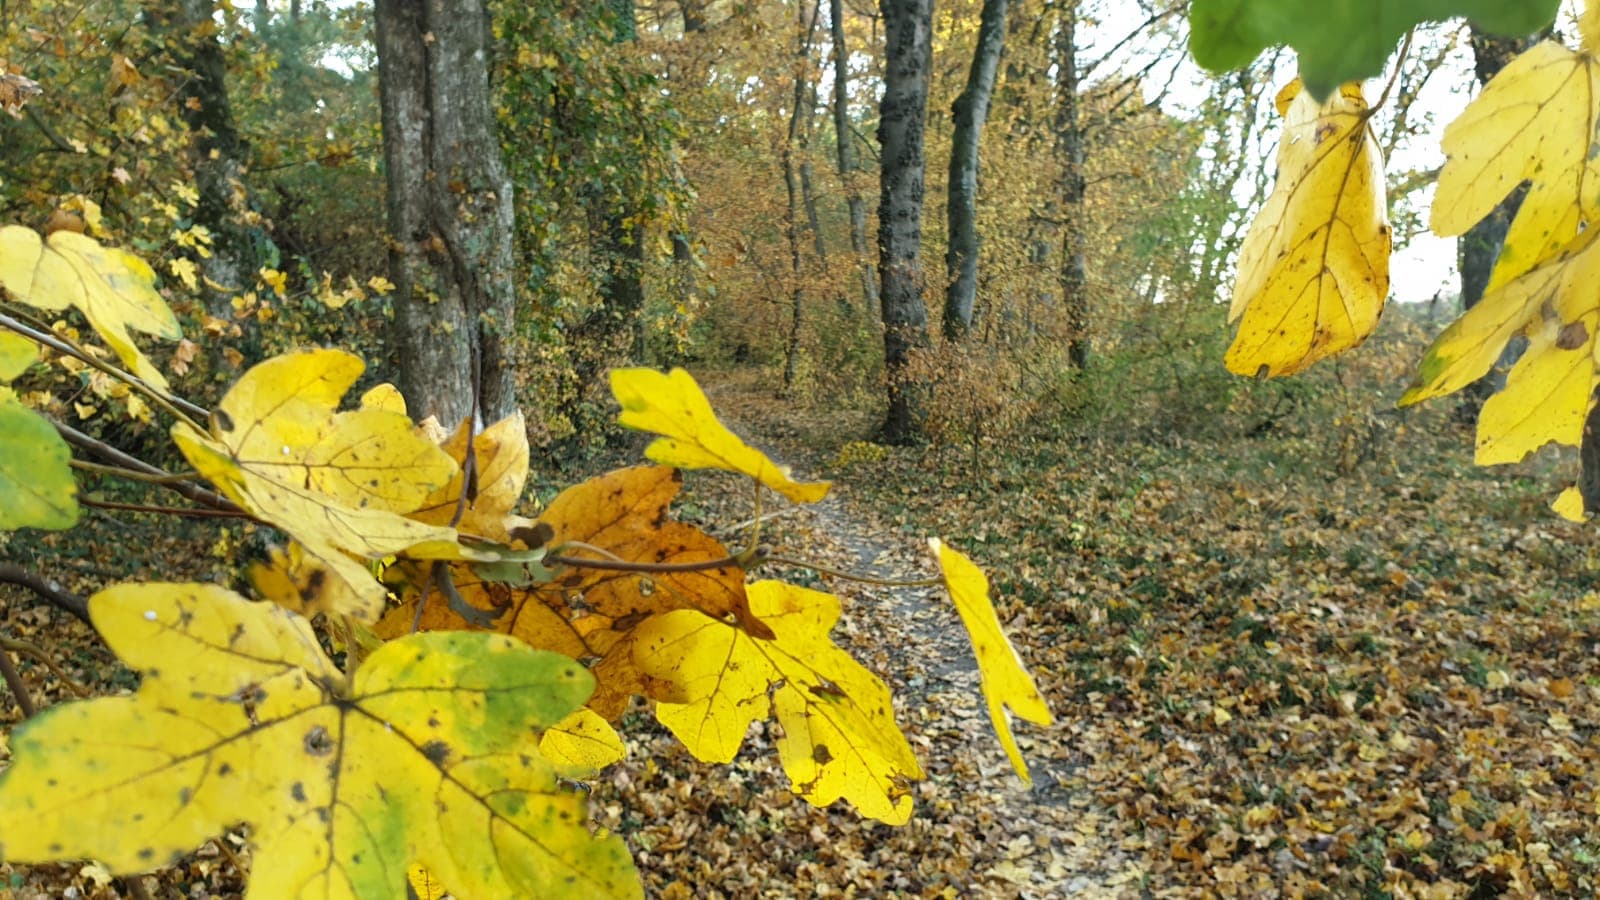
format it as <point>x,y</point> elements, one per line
<point>623,565</point>
<point>189,512</point>
<point>111,454</point>
<point>131,474</point>
<point>1399,66</point>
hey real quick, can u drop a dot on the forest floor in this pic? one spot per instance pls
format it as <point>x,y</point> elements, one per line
<point>1268,677</point>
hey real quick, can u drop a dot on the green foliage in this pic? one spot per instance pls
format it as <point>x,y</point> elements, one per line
<point>1345,40</point>
<point>37,489</point>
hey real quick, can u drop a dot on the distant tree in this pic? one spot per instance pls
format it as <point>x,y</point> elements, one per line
<point>1069,149</point>
<point>844,140</point>
<point>970,112</point>
<point>190,40</point>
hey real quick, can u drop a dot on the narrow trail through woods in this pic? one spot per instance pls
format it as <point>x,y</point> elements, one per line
<point>1038,842</point>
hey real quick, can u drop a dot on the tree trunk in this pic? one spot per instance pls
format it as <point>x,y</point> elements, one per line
<point>449,207</point>
<point>1073,278</point>
<point>845,139</point>
<point>219,152</point>
<point>1589,455</point>
<point>1477,250</point>
<point>694,15</point>
<point>908,26</point>
<point>970,111</point>
<point>794,146</point>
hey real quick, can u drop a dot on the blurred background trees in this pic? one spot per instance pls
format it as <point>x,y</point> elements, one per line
<point>669,181</point>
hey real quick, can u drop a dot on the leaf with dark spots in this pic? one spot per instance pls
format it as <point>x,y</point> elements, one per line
<point>427,753</point>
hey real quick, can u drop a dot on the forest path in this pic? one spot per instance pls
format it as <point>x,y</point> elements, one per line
<point>1039,842</point>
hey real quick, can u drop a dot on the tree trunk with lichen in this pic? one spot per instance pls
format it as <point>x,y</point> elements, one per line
<point>449,210</point>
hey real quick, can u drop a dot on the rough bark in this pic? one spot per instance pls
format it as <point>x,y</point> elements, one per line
<point>970,111</point>
<point>219,151</point>
<point>449,208</point>
<point>1069,145</point>
<point>845,141</point>
<point>902,114</point>
<point>1589,455</point>
<point>1477,250</point>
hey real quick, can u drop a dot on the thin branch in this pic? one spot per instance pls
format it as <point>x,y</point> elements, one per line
<point>111,454</point>
<point>38,655</point>
<point>19,688</point>
<point>58,596</point>
<point>131,475</point>
<point>178,408</point>
<point>852,576</point>
<point>623,565</point>
<point>187,512</point>
<point>50,134</point>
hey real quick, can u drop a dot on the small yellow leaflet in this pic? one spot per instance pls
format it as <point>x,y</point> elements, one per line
<point>673,406</point>
<point>1006,683</point>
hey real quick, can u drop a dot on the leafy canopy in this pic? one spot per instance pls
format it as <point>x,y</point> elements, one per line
<point>428,754</point>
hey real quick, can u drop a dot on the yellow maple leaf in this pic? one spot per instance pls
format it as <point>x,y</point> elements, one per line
<point>1534,122</point>
<point>17,353</point>
<point>114,289</point>
<point>184,269</point>
<point>1548,392</point>
<point>500,459</point>
<point>426,755</point>
<point>1314,268</point>
<point>582,744</point>
<point>1006,682</point>
<point>838,740</point>
<point>673,406</point>
<point>1569,505</point>
<point>384,396</point>
<point>336,482</point>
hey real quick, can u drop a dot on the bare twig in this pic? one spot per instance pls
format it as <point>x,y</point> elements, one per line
<point>58,596</point>
<point>178,408</point>
<point>166,510</point>
<point>38,655</point>
<point>8,668</point>
<point>112,455</point>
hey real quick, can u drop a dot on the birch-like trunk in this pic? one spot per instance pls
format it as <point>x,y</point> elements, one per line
<point>970,111</point>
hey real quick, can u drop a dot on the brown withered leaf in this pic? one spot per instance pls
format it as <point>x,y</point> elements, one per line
<point>591,613</point>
